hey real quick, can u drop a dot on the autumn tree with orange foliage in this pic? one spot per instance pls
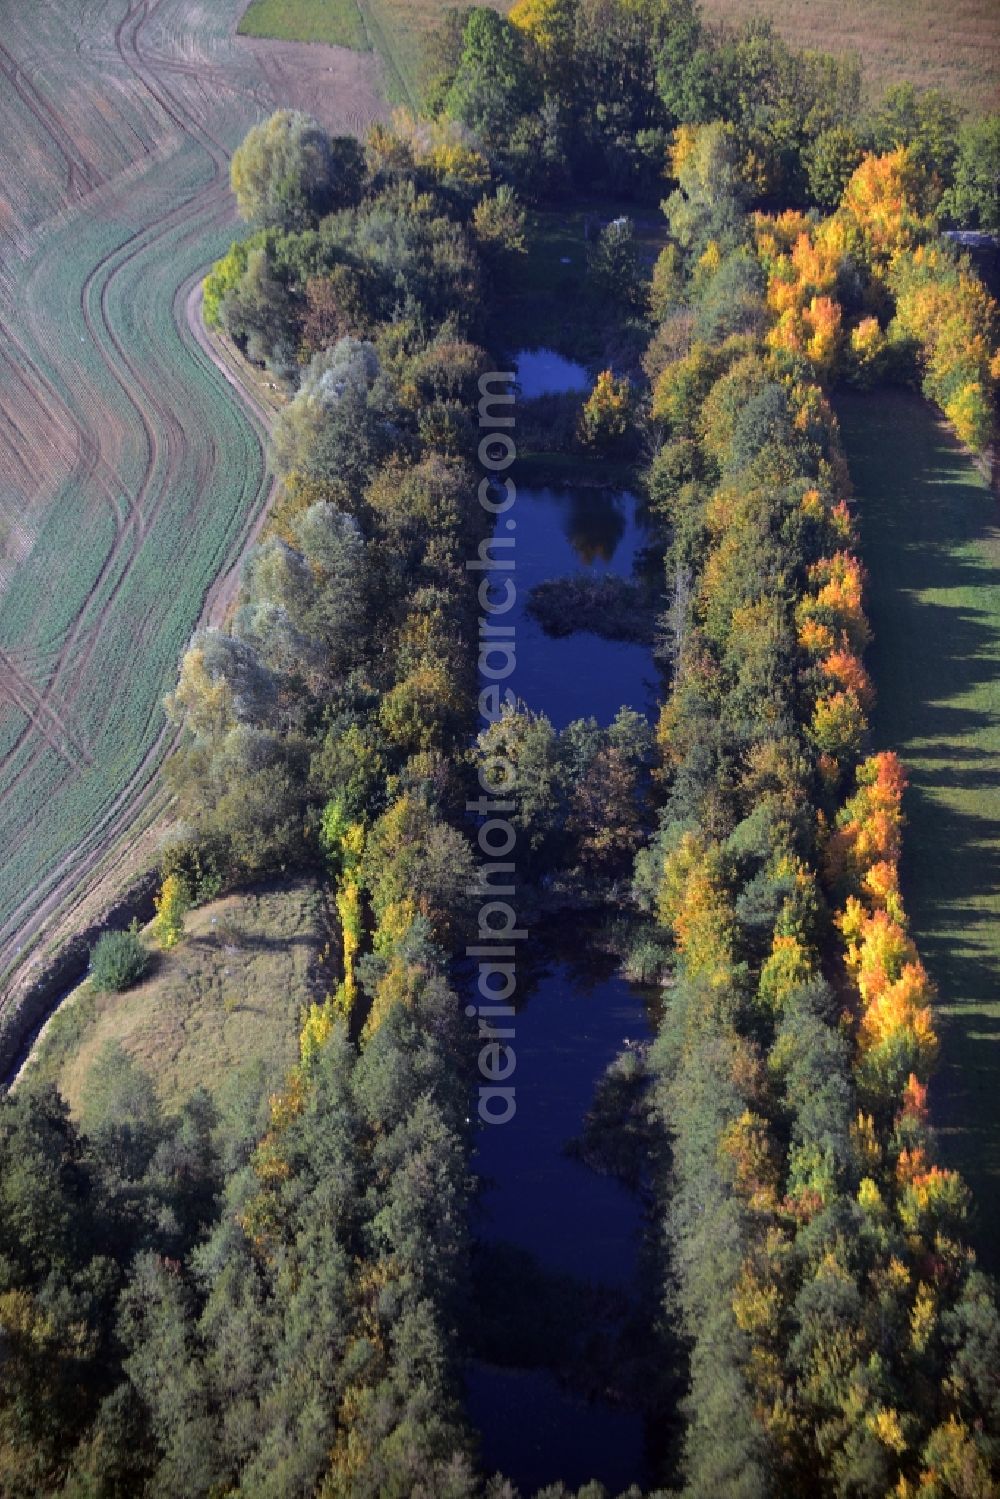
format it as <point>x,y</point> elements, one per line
<point>936,311</point>
<point>816,1247</point>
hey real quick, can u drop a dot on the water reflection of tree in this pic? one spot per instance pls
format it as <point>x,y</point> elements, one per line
<point>595,524</point>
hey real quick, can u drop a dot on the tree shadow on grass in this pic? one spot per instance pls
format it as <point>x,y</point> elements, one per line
<point>930,541</point>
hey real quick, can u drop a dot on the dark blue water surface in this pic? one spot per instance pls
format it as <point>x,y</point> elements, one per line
<point>572,1019</point>
<point>537,1434</point>
<point>542,372</point>
<point>559,532</point>
<point>538,1197</point>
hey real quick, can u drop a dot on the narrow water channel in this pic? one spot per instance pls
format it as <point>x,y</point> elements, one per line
<point>561,1240</point>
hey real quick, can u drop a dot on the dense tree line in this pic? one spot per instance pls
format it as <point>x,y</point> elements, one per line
<point>568,94</point>
<point>873,291</point>
<point>841,1340</point>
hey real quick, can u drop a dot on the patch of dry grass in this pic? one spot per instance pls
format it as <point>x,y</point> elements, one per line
<point>953,47</point>
<point>227,998</point>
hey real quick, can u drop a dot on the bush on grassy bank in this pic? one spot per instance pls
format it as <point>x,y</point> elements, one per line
<point>118,960</point>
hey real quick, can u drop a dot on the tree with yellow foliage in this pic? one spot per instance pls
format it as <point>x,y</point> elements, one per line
<point>942,305</point>
<point>882,202</point>
<point>605,421</point>
<point>548,26</point>
<point>172,905</point>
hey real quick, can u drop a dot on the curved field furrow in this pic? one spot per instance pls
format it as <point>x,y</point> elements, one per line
<point>153,481</point>
<point>84,444</point>
<point>152,414</point>
<point>81,178</point>
<point>155,416</point>
<point>130,530</point>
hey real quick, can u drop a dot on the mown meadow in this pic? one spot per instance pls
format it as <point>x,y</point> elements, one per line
<point>210,1012</point>
<point>339,23</point>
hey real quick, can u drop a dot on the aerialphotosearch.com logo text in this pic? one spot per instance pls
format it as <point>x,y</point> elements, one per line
<point>498,933</point>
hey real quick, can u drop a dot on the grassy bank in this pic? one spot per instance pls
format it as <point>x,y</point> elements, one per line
<point>931,542</point>
<point>337,22</point>
<point>227,999</point>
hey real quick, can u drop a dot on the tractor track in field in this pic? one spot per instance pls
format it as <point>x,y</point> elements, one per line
<point>70,897</point>
<point>90,463</point>
<point>202,208</point>
<point>41,715</point>
<point>133,529</point>
<point>89,468</point>
<point>81,177</point>
<point>129,377</point>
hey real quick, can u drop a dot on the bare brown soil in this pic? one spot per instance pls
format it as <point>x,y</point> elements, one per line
<point>340,88</point>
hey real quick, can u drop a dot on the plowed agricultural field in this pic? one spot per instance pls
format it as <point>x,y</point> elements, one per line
<point>131,477</point>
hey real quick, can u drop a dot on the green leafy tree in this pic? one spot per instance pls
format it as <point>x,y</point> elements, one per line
<point>830,162</point>
<point>667,286</point>
<point>615,69</point>
<point>257,311</point>
<point>118,960</point>
<point>302,605</point>
<point>335,428</point>
<point>493,85</point>
<point>442,55</point>
<point>56,1291</point>
<point>287,172</point>
<point>613,266</point>
<point>225,275</point>
<point>973,200</point>
<point>685,67</point>
<point>926,122</point>
<point>499,224</point>
<point>707,203</point>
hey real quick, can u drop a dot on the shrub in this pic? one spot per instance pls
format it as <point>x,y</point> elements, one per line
<point>605,420</point>
<point>118,960</point>
<point>646,960</point>
<point>613,267</point>
<point>172,904</point>
<point>499,224</point>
